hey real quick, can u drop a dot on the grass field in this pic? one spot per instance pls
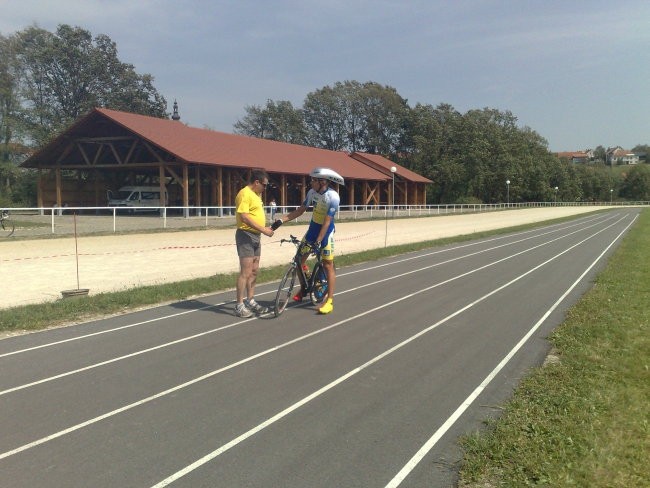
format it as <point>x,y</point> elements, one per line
<point>583,420</point>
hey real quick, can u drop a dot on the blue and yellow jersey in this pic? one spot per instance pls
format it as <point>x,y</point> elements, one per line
<point>324,204</point>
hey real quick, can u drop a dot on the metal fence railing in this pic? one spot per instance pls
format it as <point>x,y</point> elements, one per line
<point>37,221</point>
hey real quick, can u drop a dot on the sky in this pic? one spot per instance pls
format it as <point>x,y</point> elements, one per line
<point>577,72</point>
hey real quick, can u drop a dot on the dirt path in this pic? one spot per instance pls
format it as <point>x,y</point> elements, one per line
<point>38,270</point>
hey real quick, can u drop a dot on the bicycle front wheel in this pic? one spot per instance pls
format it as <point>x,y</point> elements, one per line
<point>7,228</point>
<point>283,295</point>
<point>319,289</point>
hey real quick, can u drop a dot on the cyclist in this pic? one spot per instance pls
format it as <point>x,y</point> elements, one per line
<point>325,201</point>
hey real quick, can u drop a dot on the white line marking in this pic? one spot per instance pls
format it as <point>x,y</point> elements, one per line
<point>165,317</point>
<point>234,442</point>
<point>181,340</point>
<point>130,406</point>
<point>431,442</point>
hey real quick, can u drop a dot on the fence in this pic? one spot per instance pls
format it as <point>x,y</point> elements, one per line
<point>32,222</point>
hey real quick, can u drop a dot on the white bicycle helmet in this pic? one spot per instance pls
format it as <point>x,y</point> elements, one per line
<point>327,174</point>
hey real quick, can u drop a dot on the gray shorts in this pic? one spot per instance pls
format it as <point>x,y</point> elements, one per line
<point>249,245</point>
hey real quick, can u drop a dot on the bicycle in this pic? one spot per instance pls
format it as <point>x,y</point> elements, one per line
<point>6,225</point>
<point>313,284</point>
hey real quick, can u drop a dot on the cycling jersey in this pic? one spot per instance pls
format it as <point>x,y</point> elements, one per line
<point>326,203</point>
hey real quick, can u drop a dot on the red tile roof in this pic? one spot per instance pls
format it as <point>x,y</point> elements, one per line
<point>383,164</point>
<point>203,146</point>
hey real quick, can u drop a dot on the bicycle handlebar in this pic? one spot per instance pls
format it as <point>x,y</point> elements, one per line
<point>295,241</point>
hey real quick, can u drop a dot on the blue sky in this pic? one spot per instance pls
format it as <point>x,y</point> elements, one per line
<point>577,72</point>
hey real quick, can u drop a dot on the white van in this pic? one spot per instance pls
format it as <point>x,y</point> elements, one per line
<point>137,196</point>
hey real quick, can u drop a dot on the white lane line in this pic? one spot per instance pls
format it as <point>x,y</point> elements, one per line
<point>271,420</point>
<point>165,317</point>
<point>115,329</point>
<point>485,241</point>
<point>184,339</point>
<point>431,442</point>
<point>130,406</point>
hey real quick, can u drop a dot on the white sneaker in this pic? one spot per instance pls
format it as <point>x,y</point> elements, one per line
<point>242,311</point>
<point>256,307</point>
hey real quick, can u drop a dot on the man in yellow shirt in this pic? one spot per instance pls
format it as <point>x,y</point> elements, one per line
<point>251,222</point>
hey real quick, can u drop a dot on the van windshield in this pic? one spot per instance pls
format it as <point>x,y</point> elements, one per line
<point>124,195</point>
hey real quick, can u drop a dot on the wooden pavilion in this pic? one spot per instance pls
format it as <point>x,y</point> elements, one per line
<point>108,149</point>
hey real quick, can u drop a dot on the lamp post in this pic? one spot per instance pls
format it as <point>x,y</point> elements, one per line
<point>393,170</point>
<point>611,195</point>
<point>508,192</point>
<point>556,188</point>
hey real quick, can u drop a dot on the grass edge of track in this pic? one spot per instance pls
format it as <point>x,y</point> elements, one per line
<point>581,419</point>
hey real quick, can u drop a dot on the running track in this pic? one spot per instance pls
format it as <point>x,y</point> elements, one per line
<point>419,350</point>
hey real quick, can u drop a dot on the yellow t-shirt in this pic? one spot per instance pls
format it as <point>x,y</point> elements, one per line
<point>249,202</point>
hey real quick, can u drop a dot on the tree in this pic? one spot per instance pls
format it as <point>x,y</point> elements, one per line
<point>68,73</point>
<point>636,185</point>
<point>278,121</point>
<point>47,80</point>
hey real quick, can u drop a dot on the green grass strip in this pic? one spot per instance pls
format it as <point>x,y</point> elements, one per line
<point>583,421</point>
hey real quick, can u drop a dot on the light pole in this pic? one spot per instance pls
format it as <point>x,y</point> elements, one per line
<point>393,170</point>
<point>556,188</point>
<point>611,195</point>
<point>508,192</point>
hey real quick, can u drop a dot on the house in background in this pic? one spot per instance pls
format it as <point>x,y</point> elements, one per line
<point>619,156</point>
<point>576,156</point>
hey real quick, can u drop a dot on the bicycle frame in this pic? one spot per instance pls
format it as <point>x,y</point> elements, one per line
<point>6,226</point>
<point>313,285</point>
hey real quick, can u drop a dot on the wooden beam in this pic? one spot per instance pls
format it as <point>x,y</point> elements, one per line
<point>164,201</point>
<point>186,186</point>
<point>115,154</point>
<point>103,139</point>
<point>197,186</point>
<point>57,176</point>
<point>83,154</point>
<point>220,186</point>
<point>97,154</point>
<point>153,152</point>
<point>39,189</point>
<point>129,155</point>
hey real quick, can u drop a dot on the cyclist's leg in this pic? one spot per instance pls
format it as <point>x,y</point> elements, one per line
<point>327,256</point>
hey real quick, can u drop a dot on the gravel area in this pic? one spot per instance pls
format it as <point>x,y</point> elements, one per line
<point>37,269</point>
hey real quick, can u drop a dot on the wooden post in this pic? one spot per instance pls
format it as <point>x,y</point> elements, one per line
<point>186,191</point>
<point>57,175</point>
<point>163,188</point>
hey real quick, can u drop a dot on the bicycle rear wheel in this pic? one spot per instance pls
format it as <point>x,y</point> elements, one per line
<point>283,295</point>
<point>7,228</point>
<point>318,292</point>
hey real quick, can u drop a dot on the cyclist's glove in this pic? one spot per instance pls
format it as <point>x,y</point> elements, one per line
<point>276,224</point>
<point>316,246</point>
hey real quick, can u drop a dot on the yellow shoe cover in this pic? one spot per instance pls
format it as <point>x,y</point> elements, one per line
<point>327,307</point>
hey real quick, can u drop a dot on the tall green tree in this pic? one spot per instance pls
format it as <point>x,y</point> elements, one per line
<point>356,116</point>
<point>278,121</point>
<point>636,185</point>
<point>324,115</point>
<point>67,73</point>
